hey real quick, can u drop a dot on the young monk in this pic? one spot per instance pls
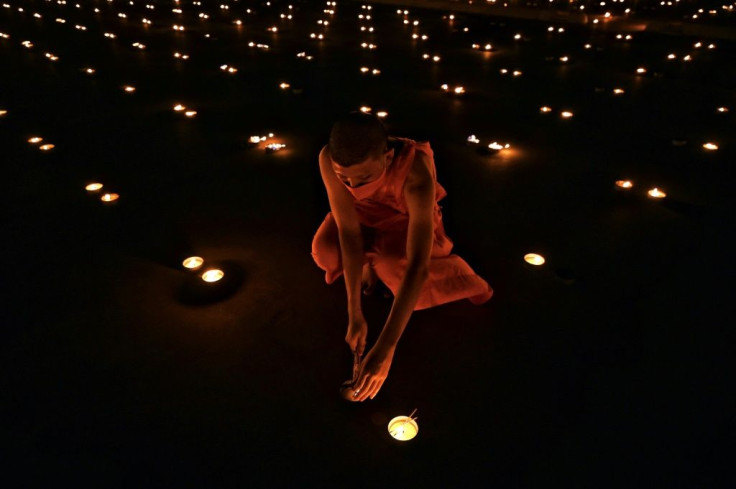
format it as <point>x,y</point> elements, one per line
<point>386,224</point>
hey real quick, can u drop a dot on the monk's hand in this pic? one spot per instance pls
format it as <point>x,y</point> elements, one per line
<point>357,334</point>
<point>373,372</point>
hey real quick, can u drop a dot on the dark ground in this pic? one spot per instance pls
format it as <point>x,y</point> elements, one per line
<point>605,367</point>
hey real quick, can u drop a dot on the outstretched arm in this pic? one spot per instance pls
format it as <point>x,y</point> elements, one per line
<point>419,193</point>
<point>351,246</point>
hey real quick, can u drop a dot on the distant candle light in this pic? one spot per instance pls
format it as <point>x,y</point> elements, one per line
<point>545,109</point>
<point>35,140</point>
<point>193,262</point>
<point>534,259</point>
<point>110,197</point>
<point>566,114</point>
<point>93,187</point>
<point>624,183</point>
<point>46,147</point>
<point>213,275</point>
<point>710,146</point>
<point>656,193</point>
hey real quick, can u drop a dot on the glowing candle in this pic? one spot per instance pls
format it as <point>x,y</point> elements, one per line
<point>722,110</point>
<point>459,90</point>
<point>618,91</point>
<point>213,275</point>
<point>545,109</point>
<point>710,146</point>
<point>516,73</point>
<point>365,109</point>
<point>93,187</point>
<point>566,114</point>
<point>190,113</point>
<point>473,139</point>
<point>109,197</point>
<point>3,112</point>
<point>273,147</point>
<point>193,262</point>
<point>89,71</point>
<point>403,428</point>
<point>35,140</point>
<point>46,147</point>
<point>381,114</point>
<point>179,107</point>
<point>641,71</point>
<point>284,86</point>
<point>534,259</point>
<point>129,89</point>
<point>624,184</point>
<point>656,193</point>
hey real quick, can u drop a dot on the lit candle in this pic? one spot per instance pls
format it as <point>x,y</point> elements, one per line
<point>656,193</point>
<point>710,146</point>
<point>179,107</point>
<point>534,259</point>
<point>627,184</point>
<point>365,109</point>
<point>284,86</point>
<point>109,197</point>
<point>545,109</point>
<point>641,71</point>
<point>381,114</point>
<point>212,275</point>
<point>403,428</point>
<point>3,112</point>
<point>472,139</point>
<point>566,114</point>
<point>193,262</point>
<point>618,91</point>
<point>46,147</point>
<point>273,147</point>
<point>129,89</point>
<point>35,140</point>
<point>722,110</point>
<point>93,187</point>
<point>190,113</point>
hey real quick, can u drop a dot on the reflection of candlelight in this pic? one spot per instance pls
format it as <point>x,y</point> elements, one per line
<point>109,197</point>
<point>403,428</point>
<point>193,262</point>
<point>710,146</point>
<point>656,193</point>
<point>624,183</point>
<point>93,187</point>
<point>534,259</point>
<point>212,275</point>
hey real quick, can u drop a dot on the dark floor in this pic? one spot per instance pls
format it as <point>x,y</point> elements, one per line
<point>604,367</point>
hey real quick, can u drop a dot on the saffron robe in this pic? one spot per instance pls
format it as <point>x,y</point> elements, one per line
<point>384,219</point>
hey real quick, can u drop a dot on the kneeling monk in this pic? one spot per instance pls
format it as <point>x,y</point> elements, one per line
<point>386,222</point>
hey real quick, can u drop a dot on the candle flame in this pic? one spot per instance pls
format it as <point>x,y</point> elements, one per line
<point>93,187</point>
<point>710,146</point>
<point>624,183</point>
<point>213,275</point>
<point>109,197</point>
<point>656,193</point>
<point>534,259</point>
<point>193,262</point>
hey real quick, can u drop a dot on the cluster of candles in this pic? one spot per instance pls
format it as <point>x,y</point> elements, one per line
<point>565,114</point>
<point>211,275</point>
<point>37,140</point>
<point>105,197</point>
<point>183,109</point>
<point>493,147</point>
<point>654,193</point>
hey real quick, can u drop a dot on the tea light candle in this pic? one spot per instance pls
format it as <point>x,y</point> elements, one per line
<point>656,193</point>
<point>129,88</point>
<point>627,184</point>
<point>641,71</point>
<point>545,109</point>
<point>190,113</point>
<point>618,91</point>
<point>273,147</point>
<point>193,262</point>
<point>284,86</point>
<point>381,114</point>
<point>46,147</point>
<point>365,109</point>
<point>722,110</point>
<point>472,139</point>
<point>93,187</point>
<point>403,428</point>
<point>179,107</point>
<point>710,146</point>
<point>3,112</point>
<point>534,259</point>
<point>566,114</point>
<point>35,140</point>
<point>110,197</point>
<point>212,275</point>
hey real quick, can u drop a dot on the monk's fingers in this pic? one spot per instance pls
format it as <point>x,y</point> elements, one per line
<point>366,391</point>
<point>377,388</point>
<point>362,381</point>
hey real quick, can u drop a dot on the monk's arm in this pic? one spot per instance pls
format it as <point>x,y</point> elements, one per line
<point>351,239</point>
<point>419,193</point>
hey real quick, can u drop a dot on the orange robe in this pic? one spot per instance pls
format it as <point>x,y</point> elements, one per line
<point>384,219</point>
